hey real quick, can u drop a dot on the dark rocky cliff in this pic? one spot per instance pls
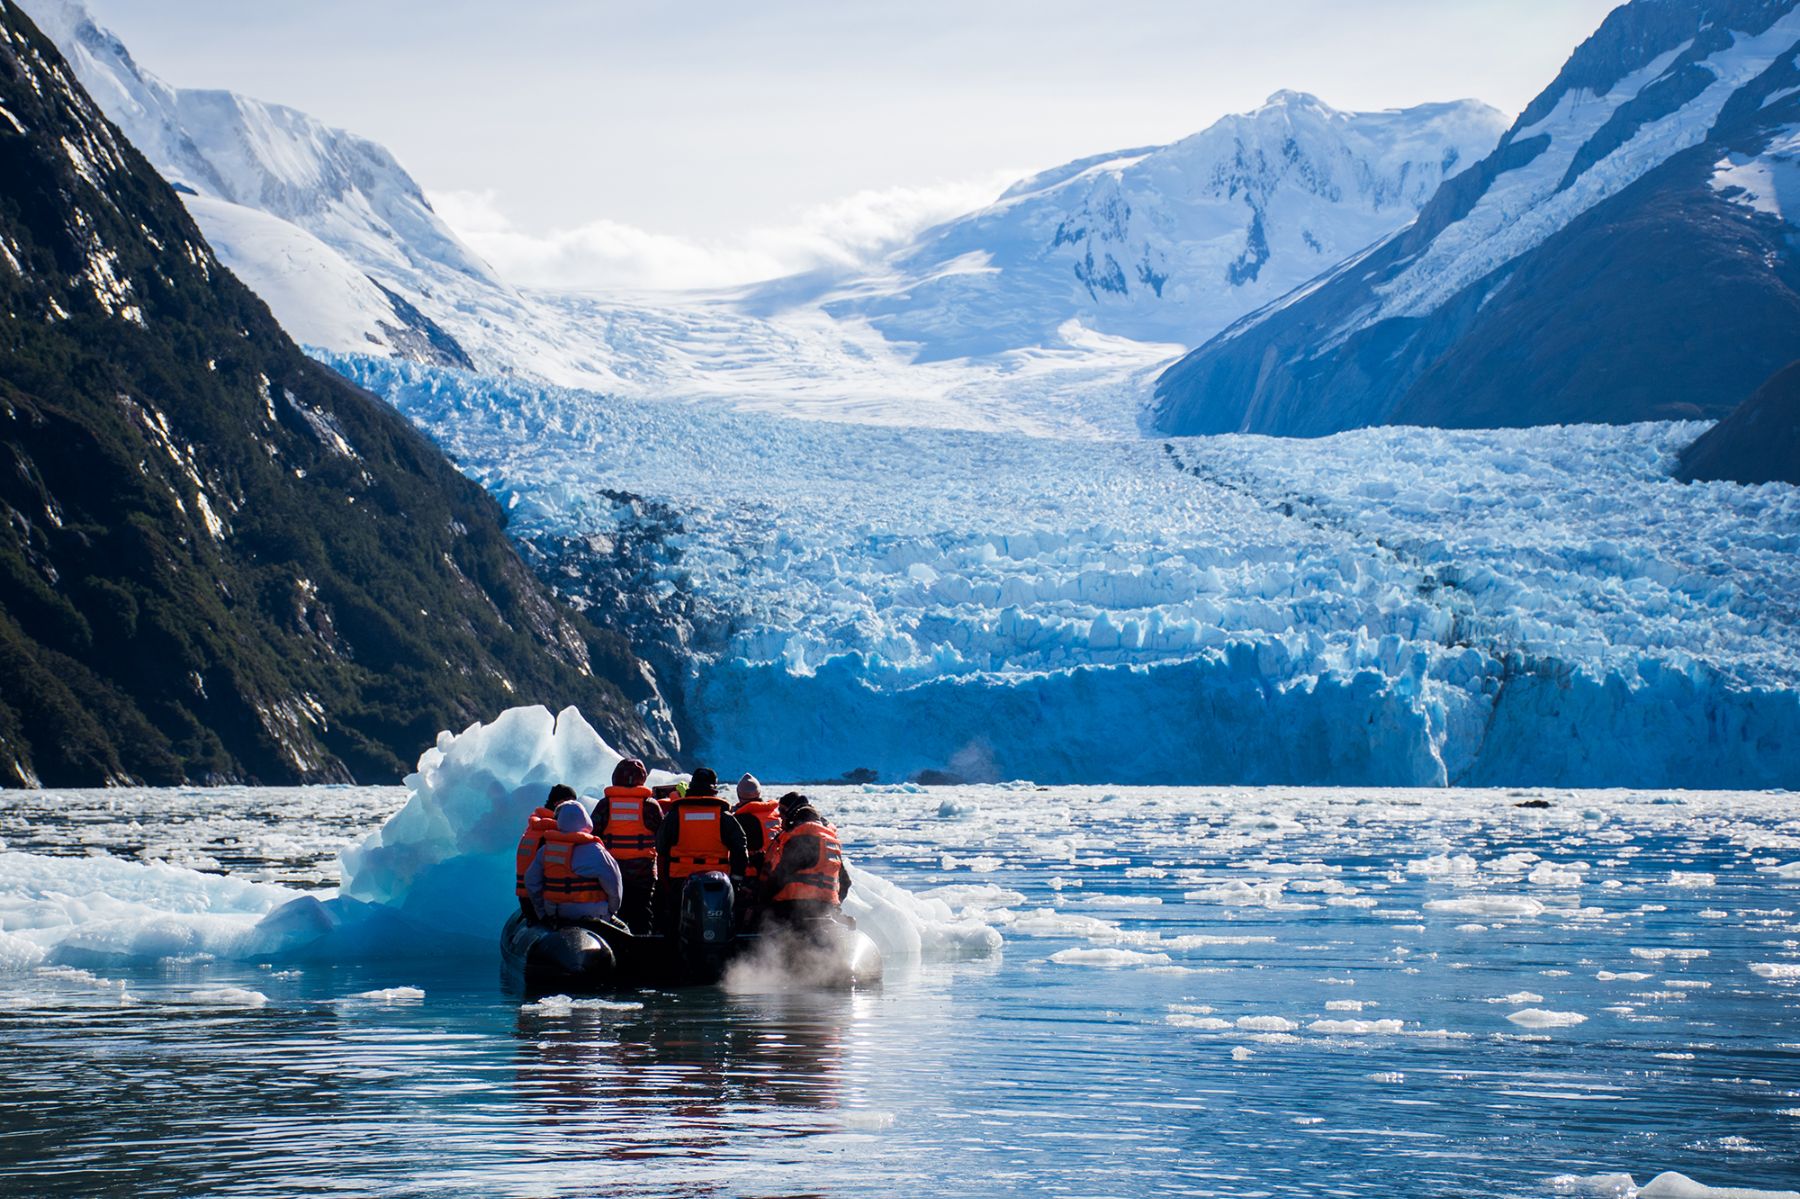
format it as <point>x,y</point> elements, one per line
<point>218,560</point>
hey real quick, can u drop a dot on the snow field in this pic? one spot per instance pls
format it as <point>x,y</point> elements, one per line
<point>1526,205</point>
<point>1394,606</point>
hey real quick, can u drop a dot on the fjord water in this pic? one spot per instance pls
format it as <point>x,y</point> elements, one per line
<point>1219,992</point>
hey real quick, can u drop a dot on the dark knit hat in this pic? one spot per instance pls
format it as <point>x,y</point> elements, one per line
<point>704,782</point>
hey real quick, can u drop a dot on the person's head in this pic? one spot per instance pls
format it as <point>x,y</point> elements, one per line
<point>703,782</point>
<point>562,793</point>
<point>803,814</point>
<point>571,817</point>
<point>748,788</point>
<point>629,773</point>
<point>789,802</point>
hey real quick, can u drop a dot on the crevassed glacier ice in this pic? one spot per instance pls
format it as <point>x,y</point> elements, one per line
<point>1385,607</point>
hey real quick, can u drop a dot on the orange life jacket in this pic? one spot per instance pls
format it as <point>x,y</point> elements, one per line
<point>767,814</point>
<point>628,835</point>
<point>561,883</point>
<point>542,821</point>
<point>699,841</point>
<point>817,880</point>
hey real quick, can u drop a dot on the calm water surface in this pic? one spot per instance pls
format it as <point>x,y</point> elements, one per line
<point>1235,993</point>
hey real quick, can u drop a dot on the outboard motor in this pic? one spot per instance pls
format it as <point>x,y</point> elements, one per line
<point>708,923</point>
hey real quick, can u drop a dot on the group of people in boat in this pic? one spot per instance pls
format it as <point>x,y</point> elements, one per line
<point>627,858</point>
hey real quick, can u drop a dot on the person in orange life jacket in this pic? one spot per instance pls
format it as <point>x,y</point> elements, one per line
<point>808,878</point>
<point>573,877</point>
<point>627,819</point>
<point>697,835</point>
<point>541,821</point>
<point>761,819</point>
<point>784,809</point>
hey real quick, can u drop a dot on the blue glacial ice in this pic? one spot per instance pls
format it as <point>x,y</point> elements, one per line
<point>1384,607</point>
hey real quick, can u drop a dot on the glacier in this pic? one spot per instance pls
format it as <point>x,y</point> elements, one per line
<point>1396,606</point>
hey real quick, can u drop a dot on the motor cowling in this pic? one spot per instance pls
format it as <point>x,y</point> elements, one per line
<point>708,923</point>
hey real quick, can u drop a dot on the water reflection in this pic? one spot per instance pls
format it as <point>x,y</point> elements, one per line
<point>684,1070</point>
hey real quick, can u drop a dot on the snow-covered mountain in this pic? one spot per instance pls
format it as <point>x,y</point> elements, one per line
<point>324,225</point>
<point>1048,310</point>
<point>1627,252</point>
<point>1172,243</point>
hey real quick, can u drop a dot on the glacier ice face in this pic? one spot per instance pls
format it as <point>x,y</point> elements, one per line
<point>1395,606</point>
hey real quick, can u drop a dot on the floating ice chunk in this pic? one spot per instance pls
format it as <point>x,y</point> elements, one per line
<point>1120,901</point>
<point>16,953</point>
<point>1670,1185</point>
<point>1537,1017</point>
<point>1238,893</point>
<point>1241,1054</point>
<point>1628,976</point>
<point>1518,997</point>
<point>905,925</point>
<point>1441,864</point>
<point>1487,905</point>
<point>1679,955</point>
<point>86,980</point>
<point>1782,971</point>
<point>104,907</point>
<point>1356,1027</point>
<point>1207,940</point>
<point>386,995</point>
<point>1266,1024</point>
<point>1109,959</point>
<point>974,895</point>
<point>953,807</point>
<point>1595,1186</point>
<point>1203,1023</point>
<point>1546,875</point>
<point>563,1005</point>
<point>1787,870</point>
<point>1471,928</point>
<point>1691,879</point>
<point>1348,1005</point>
<point>1387,1076</point>
<point>1047,922</point>
<point>226,997</point>
<point>447,855</point>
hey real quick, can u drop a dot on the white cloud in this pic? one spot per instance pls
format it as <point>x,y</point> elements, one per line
<point>841,235</point>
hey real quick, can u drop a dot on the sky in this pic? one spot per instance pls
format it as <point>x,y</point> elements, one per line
<point>708,142</point>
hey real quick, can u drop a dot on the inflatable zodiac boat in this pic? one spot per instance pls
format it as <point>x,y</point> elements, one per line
<point>543,958</point>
